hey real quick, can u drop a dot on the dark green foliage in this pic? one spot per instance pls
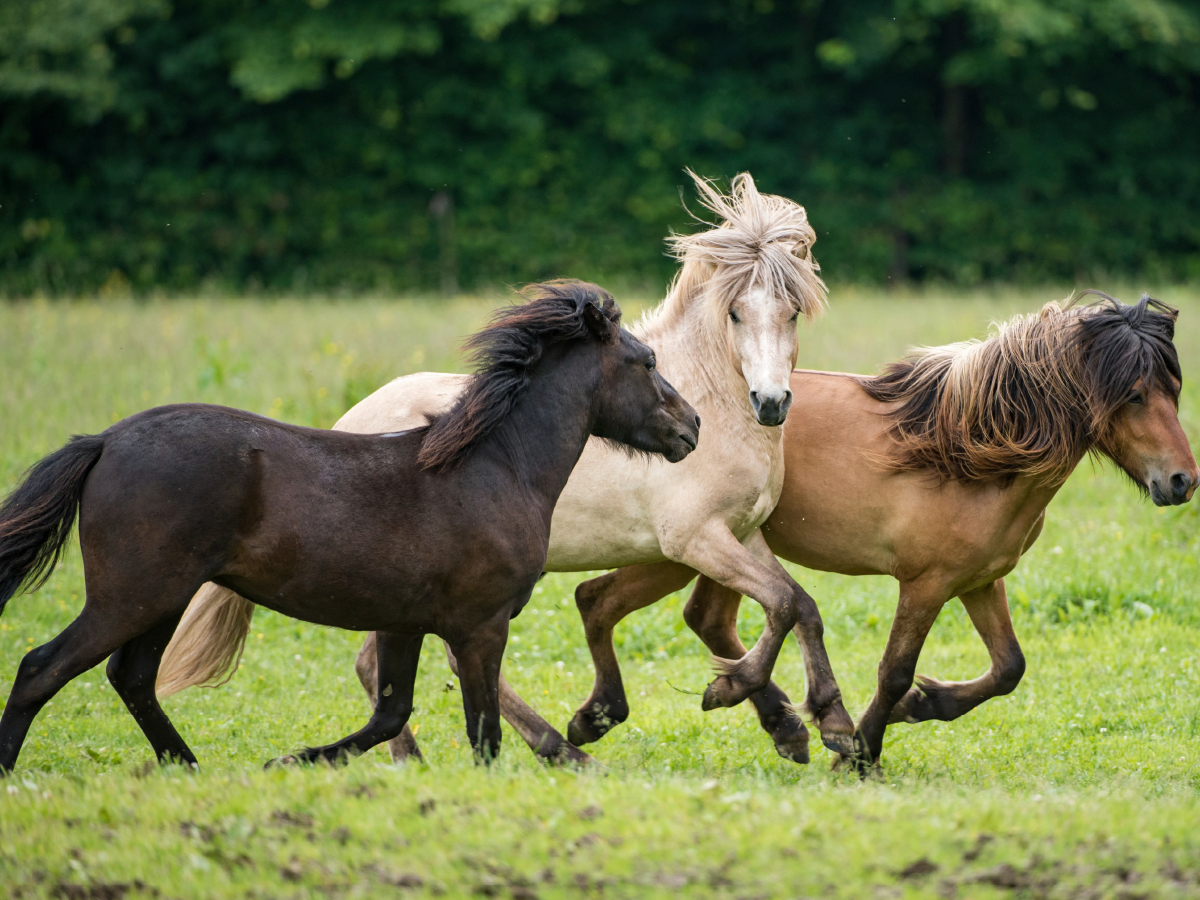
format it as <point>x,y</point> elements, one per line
<point>288,146</point>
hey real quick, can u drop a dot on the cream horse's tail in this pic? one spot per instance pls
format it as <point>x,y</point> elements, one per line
<point>209,640</point>
<point>208,643</point>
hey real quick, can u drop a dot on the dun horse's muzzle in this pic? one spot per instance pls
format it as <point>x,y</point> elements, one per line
<point>771,407</point>
<point>1179,489</point>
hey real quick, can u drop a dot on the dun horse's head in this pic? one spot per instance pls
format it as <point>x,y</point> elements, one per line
<point>758,278</point>
<point>1134,382</point>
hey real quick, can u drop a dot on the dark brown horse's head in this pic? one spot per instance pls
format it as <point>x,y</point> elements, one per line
<point>631,404</point>
<point>1134,382</point>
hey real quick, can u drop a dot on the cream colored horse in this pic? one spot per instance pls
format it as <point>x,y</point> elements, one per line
<point>725,336</point>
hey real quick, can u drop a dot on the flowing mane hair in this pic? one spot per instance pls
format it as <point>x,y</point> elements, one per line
<point>502,355</point>
<point>761,241</point>
<point>1034,397</point>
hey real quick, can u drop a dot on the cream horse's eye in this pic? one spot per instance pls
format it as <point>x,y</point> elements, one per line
<point>733,316</point>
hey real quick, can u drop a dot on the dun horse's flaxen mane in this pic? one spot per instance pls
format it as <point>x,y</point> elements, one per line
<point>502,355</point>
<point>762,241</point>
<point>1034,397</point>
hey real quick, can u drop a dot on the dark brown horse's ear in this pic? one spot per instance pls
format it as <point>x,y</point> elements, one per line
<point>598,322</point>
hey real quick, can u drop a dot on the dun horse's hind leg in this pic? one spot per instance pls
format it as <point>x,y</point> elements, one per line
<point>932,699</point>
<point>132,670</point>
<point>45,670</point>
<point>398,656</point>
<point>602,603</point>
<point>711,612</point>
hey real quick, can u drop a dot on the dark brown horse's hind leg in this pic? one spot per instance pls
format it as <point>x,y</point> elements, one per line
<point>398,657</point>
<point>132,670</point>
<point>603,602</point>
<point>946,700</point>
<point>711,612</point>
<point>45,670</point>
<point>404,745</point>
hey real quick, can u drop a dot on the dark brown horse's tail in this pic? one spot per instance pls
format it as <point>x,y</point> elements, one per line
<point>37,518</point>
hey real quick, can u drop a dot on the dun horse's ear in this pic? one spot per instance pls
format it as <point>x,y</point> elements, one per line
<point>598,322</point>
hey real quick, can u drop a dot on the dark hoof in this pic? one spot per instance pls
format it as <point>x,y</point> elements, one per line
<point>589,724</point>
<point>837,730</point>
<point>570,757</point>
<point>281,762</point>
<point>791,742</point>
<point>726,691</point>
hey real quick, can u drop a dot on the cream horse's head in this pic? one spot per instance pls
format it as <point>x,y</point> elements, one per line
<point>755,275</point>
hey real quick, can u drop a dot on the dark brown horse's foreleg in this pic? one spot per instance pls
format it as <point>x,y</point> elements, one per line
<point>711,612</point>
<point>602,603</point>
<point>397,659</point>
<point>915,614</point>
<point>539,735</point>
<point>132,670</point>
<point>479,658</point>
<point>932,699</point>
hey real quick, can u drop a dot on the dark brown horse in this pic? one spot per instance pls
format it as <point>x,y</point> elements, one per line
<point>441,529</point>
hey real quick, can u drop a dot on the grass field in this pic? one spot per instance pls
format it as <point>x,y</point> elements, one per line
<point>1083,783</point>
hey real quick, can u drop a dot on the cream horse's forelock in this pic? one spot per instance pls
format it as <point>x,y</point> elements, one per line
<point>761,241</point>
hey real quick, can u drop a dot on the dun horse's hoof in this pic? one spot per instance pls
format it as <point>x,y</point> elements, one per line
<point>724,692</point>
<point>837,730</point>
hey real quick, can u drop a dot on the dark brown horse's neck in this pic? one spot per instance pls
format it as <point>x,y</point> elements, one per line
<point>543,436</point>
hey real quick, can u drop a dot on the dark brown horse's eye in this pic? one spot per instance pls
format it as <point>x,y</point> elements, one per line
<point>651,363</point>
<point>1136,398</point>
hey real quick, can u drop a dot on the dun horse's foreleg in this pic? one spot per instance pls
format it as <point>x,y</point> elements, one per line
<point>132,670</point>
<point>397,657</point>
<point>915,614</point>
<point>932,699</point>
<point>754,571</point>
<point>711,612</point>
<point>404,745</point>
<point>479,658</point>
<point>539,735</point>
<point>45,670</point>
<point>602,603</point>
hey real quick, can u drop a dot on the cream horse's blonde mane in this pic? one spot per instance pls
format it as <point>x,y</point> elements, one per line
<point>762,241</point>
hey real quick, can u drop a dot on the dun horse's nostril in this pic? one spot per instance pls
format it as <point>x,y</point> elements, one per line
<point>1180,484</point>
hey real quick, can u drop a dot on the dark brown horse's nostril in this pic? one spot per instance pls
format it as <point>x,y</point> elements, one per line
<point>697,421</point>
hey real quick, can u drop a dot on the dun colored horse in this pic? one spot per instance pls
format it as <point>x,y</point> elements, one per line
<point>726,337</point>
<point>442,529</point>
<point>938,473</point>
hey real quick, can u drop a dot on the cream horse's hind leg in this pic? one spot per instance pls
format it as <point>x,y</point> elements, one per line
<point>546,743</point>
<point>753,570</point>
<point>932,699</point>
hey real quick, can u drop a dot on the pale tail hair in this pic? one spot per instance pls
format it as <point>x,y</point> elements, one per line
<point>208,642</point>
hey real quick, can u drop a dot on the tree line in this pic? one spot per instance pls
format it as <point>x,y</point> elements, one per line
<point>423,145</point>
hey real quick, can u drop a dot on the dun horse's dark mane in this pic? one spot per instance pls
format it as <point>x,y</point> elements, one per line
<point>503,354</point>
<point>1034,397</point>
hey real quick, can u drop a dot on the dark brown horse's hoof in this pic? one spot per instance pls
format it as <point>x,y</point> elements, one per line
<point>588,725</point>
<point>791,741</point>
<point>282,762</point>
<point>838,733</point>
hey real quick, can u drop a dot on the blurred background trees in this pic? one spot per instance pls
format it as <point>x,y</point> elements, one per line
<point>423,145</point>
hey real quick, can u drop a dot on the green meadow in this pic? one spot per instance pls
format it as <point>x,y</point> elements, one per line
<point>1084,783</point>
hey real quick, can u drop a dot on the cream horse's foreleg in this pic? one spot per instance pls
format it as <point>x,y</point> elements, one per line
<point>602,603</point>
<point>711,612</point>
<point>542,738</point>
<point>932,699</point>
<point>754,571</point>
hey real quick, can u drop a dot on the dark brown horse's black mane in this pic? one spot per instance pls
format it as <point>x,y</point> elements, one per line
<point>1033,398</point>
<point>503,354</point>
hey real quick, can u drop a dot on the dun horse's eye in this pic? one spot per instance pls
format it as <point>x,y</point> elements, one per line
<point>734,316</point>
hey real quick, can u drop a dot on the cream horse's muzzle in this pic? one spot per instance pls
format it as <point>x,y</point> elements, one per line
<point>771,406</point>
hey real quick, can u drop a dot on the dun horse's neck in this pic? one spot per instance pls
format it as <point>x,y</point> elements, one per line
<point>543,436</point>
